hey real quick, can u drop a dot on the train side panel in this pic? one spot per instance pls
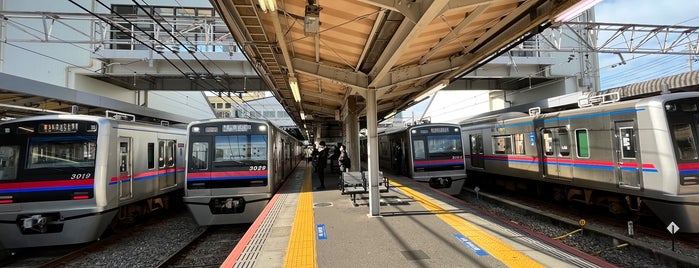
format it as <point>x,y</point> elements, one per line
<point>636,155</point>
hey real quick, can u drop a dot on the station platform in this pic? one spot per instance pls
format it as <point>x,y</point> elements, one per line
<point>418,227</point>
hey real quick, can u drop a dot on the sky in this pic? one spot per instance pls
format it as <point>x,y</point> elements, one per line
<point>638,67</point>
<point>645,67</point>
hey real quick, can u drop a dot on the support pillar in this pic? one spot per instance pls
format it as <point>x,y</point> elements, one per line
<point>352,133</point>
<point>372,152</point>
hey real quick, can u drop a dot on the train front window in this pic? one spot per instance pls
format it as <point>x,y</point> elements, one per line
<point>684,137</point>
<point>63,151</point>
<point>200,156</point>
<point>8,162</point>
<point>444,144</point>
<point>241,147</point>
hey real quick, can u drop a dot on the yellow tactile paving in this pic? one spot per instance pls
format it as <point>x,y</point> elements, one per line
<point>301,251</point>
<point>495,247</point>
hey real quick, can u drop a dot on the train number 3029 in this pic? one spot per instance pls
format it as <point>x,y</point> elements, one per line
<point>80,176</point>
<point>258,167</point>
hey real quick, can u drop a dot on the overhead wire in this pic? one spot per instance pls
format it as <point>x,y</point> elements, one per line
<point>193,54</point>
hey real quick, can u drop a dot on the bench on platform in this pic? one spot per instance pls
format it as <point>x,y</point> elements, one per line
<point>354,182</point>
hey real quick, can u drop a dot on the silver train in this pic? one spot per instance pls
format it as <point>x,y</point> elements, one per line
<point>64,178</point>
<point>235,167</point>
<point>430,152</point>
<point>632,156</point>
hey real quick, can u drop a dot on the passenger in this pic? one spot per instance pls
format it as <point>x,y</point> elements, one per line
<point>309,154</point>
<point>333,157</point>
<point>322,162</point>
<point>344,160</point>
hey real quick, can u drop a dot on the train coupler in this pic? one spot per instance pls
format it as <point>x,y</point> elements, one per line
<point>440,182</point>
<point>40,223</point>
<point>227,205</point>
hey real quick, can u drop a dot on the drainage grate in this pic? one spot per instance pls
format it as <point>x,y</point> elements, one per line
<point>413,255</point>
<point>325,204</point>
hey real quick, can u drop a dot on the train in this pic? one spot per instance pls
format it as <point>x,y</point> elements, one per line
<point>235,166</point>
<point>64,179</point>
<point>633,157</point>
<point>426,152</point>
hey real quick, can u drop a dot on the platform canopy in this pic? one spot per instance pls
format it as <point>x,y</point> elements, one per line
<point>314,54</point>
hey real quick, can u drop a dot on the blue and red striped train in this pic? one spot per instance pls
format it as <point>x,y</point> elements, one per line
<point>65,178</point>
<point>428,152</point>
<point>235,166</point>
<point>636,156</point>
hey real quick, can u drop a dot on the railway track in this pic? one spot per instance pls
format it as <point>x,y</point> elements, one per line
<point>209,249</point>
<point>599,234</point>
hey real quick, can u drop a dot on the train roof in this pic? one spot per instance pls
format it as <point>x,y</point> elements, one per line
<point>658,99</point>
<point>113,119</point>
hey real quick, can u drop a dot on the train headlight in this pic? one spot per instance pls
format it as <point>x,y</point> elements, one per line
<point>196,129</point>
<point>262,128</point>
<point>670,107</point>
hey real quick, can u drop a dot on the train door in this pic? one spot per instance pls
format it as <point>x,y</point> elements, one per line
<point>627,166</point>
<point>556,153</point>
<point>166,163</point>
<point>477,154</point>
<point>125,174</point>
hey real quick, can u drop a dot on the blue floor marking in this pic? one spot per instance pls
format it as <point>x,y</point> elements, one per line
<point>469,244</point>
<point>320,229</point>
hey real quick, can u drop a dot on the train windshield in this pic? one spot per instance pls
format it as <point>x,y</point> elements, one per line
<point>444,144</point>
<point>61,151</point>
<point>683,119</point>
<point>241,148</point>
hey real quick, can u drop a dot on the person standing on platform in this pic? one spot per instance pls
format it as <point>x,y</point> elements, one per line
<point>344,160</point>
<point>322,162</point>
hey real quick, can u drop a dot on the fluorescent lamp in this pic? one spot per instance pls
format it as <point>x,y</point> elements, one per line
<point>431,90</point>
<point>294,84</point>
<point>575,10</point>
<point>389,115</point>
<point>303,115</point>
<point>270,5</point>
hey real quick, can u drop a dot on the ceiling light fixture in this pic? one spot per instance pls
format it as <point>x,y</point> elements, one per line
<point>575,10</point>
<point>270,5</point>
<point>303,115</point>
<point>294,84</point>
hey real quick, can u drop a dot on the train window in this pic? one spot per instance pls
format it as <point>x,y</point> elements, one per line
<point>444,144</point>
<point>171,153</point>
<point>200,156</point>
<point>151,155</point>
<point>8,162</point>
<point>564,141</point>
<point>684,139</point>
<point>419,148</point>
<point>547,136</point>
<point>502,144</point>
<point>161,154</point>
<point>70,151</point>
<point>583,143</point>
<point>519,143</point>
<point>241,147</point>
<point>627,140</point>
<point>476,144</point>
